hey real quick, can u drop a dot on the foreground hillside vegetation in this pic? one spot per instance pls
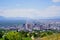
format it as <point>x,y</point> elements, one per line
<point>34,35</point>
<point>52,37</point>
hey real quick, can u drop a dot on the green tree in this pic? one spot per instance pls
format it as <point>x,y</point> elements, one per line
<point>12,36</point>
<point>1,34</point>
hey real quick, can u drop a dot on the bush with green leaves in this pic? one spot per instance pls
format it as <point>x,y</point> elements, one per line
<point>23,34</point>
<point>12,36</point>
<point>27,38</point>
<point>1,34</point>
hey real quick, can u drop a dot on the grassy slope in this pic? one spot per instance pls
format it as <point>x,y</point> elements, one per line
<point>52,37</point>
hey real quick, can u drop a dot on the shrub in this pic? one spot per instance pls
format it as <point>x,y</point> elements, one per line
<point>12,36</point>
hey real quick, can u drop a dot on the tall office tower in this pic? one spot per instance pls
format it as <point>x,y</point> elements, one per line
<point>29,26</point>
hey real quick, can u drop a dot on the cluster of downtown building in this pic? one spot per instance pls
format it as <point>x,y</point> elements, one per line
<point>33,26</point>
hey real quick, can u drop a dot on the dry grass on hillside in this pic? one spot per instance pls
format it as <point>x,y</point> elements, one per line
<point>51,37</point>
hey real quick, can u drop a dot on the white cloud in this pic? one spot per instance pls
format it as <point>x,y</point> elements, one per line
<point>17,13</point>
<point>56,0</point>
<point>51,11</point>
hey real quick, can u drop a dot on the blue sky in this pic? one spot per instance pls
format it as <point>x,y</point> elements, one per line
<point>38,4</point>
<point>30,8</point>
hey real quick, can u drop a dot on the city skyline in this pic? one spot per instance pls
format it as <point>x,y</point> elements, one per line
<point>30,8</point>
